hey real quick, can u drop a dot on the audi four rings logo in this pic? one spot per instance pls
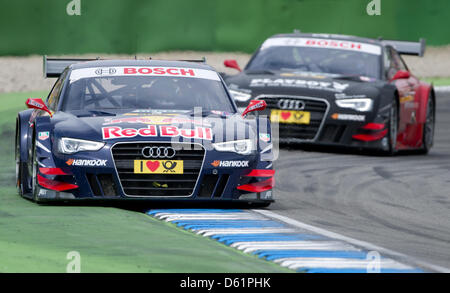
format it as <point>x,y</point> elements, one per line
<point>286,104</point>
<point>158,152</point>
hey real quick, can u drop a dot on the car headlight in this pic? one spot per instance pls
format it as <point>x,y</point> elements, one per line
<point>240,96</point>
<point>73,145</point>
<point>242,147</point>
<point>362,105</point>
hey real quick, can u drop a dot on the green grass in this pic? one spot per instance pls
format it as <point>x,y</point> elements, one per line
<point>438,81</point>
<point>36,238</point>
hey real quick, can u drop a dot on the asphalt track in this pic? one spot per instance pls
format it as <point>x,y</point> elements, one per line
<point>400,203</point>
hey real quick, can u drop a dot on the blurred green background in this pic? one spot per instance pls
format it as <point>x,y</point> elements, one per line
<point>138,26</point>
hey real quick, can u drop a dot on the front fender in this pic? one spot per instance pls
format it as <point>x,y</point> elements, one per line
<point>423,93</point>
<point>22,129</point>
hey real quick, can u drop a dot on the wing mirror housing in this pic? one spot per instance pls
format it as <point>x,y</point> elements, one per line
<point>231,63</point>
<point>254,105</point>
<point>38,104</point>
<point>401,74</point>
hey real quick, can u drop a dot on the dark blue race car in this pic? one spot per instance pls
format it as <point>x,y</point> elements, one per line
<point>141,130</point>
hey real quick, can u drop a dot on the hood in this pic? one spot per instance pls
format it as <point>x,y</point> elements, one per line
<point>310,84</point>
<point>149,125</point>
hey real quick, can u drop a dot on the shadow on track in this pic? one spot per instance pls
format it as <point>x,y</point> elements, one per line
<point>345,150</point>
<point>145,205</point>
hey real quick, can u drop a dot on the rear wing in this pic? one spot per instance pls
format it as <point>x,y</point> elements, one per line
<point>53,67</point>
<point>407,48</point>
<point>203,60</point>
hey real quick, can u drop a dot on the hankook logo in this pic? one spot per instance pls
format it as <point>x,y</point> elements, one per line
<point>158,152</point>
<point>287,104</point>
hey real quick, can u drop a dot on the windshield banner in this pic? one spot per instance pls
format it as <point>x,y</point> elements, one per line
<point>143,71</point>
<point>323,43</point>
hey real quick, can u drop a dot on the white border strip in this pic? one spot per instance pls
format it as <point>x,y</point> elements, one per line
<point>442,88</point>
<point>337,263</point>
<point>356,242</point>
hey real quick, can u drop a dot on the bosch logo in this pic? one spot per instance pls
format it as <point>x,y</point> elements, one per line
<point>158,152</point>
<point>286,104</point>
<point>102,71</point>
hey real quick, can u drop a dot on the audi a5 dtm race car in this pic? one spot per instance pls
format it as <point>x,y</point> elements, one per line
<point>339,90</point>
<point>141,130</point>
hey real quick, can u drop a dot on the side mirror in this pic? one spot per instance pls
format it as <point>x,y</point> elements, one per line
<point>231,63</point>
<point>401,74</point>
<point>254,105</point>
<point>38,104</point>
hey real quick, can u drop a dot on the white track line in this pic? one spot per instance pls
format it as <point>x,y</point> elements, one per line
<point>292,245</point>
<point>442,88</point>
<point>356,242</point>
<point>338,263</point>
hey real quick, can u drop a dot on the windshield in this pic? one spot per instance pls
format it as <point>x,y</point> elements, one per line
<point>323,60</point>
<point>87,92</point>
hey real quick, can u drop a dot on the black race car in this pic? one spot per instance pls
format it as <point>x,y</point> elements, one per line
<point>141,130</point>
<point>339,90</point>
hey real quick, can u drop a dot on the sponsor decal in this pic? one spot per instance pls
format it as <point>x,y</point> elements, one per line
<point>107,71</point>
<point>349,117</point>
<point>303,74</point>
<point>264,137</point>
<point>323,43</point>
<point>157,111</point>
<point>345,96</point>
<point>158,167</point>
<point>143,71</point>
<point>35,104</point>
<point>86,163</point>
<point>113,132</point>
<point>158,120</point>
<point>300,83</point>
<point>43,193</point>
<point>230,164</point>
<point>287,116</point>
<point>406,99</point>
<point>43,135</point>
<point>255,106</point>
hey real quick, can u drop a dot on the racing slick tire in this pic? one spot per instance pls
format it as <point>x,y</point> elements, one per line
<point>429,126</point>
<point>19,168</point>
<point>22,180</point>
<point>393,127</point>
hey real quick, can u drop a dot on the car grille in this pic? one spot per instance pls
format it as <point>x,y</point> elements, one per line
<point>318,110</point>
<point>133,184</point>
